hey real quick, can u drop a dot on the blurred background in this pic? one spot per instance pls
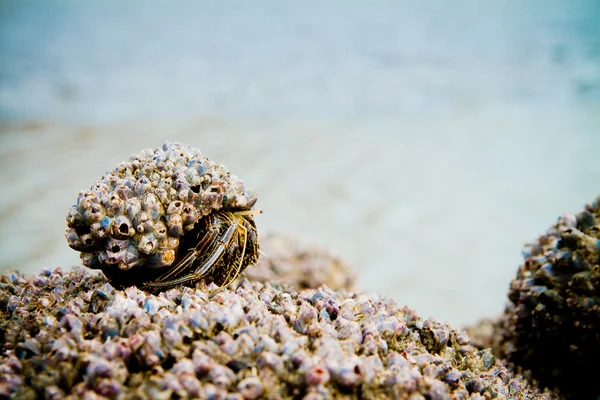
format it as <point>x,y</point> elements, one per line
<point>426,141</point>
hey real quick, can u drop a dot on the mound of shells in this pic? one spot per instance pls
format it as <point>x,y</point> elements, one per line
<point>301,263</point>
<point>137,213</point>
<point>72,335</point>
<point>551,326</point>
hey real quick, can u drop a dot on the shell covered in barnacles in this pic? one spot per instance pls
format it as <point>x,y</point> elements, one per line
<point>552,325</point>
<point>137,214</point>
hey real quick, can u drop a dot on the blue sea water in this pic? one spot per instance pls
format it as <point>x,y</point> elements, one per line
<point>98,61</point>
<point>427,141</point>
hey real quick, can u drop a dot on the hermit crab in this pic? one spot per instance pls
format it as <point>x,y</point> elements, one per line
<point>166,217</point>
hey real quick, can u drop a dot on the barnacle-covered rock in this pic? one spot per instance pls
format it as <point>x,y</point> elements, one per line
<point>72,335</point>
<point>137,214</point>
<point>487,333</point>
<point>302,263</point>
<point>552,324</point>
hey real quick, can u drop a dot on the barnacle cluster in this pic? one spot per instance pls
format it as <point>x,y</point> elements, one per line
<point>72,335</point>
<point>301,263</point>
<point>138,214</point>
<point>552,325</point>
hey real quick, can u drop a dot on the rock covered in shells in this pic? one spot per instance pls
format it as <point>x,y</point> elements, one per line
<point>137,213</point>
<point>552,324</point>
<point>487,334</point>
<point>302,263</point>
<point>72,335</point>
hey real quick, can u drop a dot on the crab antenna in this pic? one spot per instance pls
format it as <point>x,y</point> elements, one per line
<point>249,212</point>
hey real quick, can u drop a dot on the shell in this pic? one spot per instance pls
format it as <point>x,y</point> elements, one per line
<point>130,224</point>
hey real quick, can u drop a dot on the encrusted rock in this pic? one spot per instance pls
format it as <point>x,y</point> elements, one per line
<point>137,214</point>
<point>487,334</point>
<point>72,335</point>
<point>552,324</point>
<point>300,262</point>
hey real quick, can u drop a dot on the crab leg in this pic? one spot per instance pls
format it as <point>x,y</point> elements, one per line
<point>236,272</point>
<point>195,252</point>
<point>200,272</point>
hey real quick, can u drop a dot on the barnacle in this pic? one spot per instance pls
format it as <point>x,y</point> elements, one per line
<point>552,325</point>
<point>167,215</point>
<point>74,336</point>
<point>301,263</point>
